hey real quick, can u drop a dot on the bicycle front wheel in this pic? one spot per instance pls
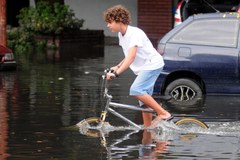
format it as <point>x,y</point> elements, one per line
<point>191,122</point>
<point>89,126</point>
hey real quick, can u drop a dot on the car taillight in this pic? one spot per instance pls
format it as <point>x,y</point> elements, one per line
<point>160,48</point>
<point>8,57</point>
<point>177,16</point>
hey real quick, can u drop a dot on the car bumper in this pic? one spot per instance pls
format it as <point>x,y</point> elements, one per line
<point>11,65</point>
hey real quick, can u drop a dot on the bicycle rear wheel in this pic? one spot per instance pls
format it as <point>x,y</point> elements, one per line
<point>89,126</point>
<point>191,122</point>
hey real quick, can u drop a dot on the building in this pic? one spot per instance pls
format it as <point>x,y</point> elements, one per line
<point>155,17</point>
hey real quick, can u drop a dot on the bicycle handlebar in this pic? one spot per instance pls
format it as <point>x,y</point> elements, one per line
<point>104,83</point>
<point>109,71</point>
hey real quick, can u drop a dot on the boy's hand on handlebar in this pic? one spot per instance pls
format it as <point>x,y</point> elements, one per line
<point>110,76</point>
<point>114,69</point>
<point>111,73</point>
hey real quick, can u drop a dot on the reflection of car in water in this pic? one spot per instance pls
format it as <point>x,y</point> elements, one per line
<point>7,61</point>
<point>201,57</point>
<point>186,8</point>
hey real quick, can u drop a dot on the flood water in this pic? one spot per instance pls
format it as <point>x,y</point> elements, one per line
<point>41,103</point>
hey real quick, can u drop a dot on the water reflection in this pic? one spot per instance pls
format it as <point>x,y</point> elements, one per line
<point>46,95</point>
<point>8,99</point>
<point>196,106</point>
<point>40,98</point>
<point>141,144</point>
<point>151,145</point>
<point>210,108</point>
<point>166,142</point>
<point>73,52</point>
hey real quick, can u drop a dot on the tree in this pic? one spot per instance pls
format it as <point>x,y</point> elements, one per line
<point>46,19</point>
<point>3,23</point>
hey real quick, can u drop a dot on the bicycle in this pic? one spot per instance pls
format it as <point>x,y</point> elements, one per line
<point>95,123</point>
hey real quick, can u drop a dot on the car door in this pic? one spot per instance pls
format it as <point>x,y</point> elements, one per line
<point>208,47</point>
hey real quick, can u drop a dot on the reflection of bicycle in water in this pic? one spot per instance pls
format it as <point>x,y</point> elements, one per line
<point>147,147</point>
<point>93,124</point>
<point>144,144</point>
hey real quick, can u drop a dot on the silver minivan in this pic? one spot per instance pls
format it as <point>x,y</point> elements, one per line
<point>201,57</point>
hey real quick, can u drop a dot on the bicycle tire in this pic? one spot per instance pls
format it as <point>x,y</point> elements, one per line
<point>191,121</point>
<point>92,122</point>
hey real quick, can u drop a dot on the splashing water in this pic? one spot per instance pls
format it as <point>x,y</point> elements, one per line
<point>167,128</point>
<point>224,128</point>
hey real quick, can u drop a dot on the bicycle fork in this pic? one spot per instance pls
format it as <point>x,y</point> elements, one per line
<point>104,112</point>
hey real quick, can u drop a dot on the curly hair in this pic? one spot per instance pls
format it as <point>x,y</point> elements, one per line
<point>118,14</point>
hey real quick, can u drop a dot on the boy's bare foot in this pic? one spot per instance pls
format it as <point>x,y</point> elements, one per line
<point>166,115</point>
<point>158,119</point>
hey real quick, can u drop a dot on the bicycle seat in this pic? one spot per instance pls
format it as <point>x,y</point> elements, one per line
<point>164,98</point>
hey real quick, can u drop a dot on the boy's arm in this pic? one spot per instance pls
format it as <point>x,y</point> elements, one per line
<point>126,62</point>
<point>115,68</point>
<point>119,65</point>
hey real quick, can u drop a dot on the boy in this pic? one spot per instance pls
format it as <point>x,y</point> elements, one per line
<point>141,57</point>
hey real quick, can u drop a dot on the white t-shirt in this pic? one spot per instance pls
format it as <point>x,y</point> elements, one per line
<point>147,57</point>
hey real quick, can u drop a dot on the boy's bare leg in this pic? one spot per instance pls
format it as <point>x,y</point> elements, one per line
<point>147,119</point>
<point>150,102</point>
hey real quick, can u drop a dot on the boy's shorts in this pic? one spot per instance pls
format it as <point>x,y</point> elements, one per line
<point>144,82</point>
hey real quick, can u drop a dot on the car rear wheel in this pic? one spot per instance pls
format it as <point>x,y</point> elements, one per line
<point>184,90</point>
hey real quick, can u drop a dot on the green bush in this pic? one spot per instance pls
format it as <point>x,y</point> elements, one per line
<point>45,19</point>
<point>19,41</point>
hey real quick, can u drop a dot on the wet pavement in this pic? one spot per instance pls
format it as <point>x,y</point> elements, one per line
<point>41,102</point>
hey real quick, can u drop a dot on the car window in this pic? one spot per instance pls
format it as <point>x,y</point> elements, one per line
<point>215,32</point>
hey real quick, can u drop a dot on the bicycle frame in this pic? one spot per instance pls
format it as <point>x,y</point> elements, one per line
<point>109,106</point>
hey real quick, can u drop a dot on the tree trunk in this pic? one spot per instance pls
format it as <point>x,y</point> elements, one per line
<point>3,23</point>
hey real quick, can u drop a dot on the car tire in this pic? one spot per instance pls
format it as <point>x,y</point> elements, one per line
<point>184,90</point>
